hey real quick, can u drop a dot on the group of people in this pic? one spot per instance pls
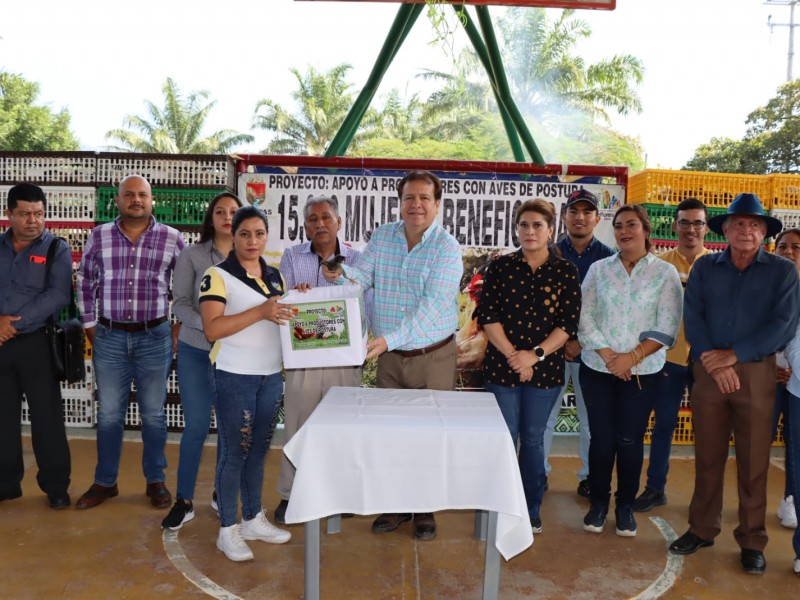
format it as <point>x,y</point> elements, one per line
<point>611,322</point>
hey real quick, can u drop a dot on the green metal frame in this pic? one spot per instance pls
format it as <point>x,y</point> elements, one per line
<point>489,54</point>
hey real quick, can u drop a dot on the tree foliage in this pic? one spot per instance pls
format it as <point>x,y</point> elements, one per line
<point>323,101</point>
<point>770,145</point>
<point>26,126</point>
<point>175,128</point>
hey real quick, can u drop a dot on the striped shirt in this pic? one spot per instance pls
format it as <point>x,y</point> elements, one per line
<point>300,264</point>
<point>190,267</point>
<point>416,293</point>
<point>125,281</point>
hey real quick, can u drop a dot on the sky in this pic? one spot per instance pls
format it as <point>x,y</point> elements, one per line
<point>708,63</point>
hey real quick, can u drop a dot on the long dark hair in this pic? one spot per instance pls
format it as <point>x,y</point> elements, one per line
<point>207,228</point>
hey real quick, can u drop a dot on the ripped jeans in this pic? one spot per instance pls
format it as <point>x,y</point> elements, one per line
<point>247,410</point>
<point>618,414</point>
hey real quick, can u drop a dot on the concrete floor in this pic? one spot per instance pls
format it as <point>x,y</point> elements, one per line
<point>117,550</point>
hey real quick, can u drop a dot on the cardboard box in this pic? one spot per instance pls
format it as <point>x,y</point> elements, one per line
<point>329,328</point>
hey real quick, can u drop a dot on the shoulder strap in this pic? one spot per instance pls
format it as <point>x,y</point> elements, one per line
<point>51,253</point>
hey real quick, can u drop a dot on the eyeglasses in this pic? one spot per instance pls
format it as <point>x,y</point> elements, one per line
<point>684,224</point>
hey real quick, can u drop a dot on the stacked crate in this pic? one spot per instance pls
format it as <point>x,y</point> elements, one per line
<point>182,187</point>
<point>67,180</point>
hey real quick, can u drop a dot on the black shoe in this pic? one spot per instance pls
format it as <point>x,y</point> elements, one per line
<point>689,543</point>
<point>280,512</point>
<point>649,499</point>
<point>584,490</point>
<point>182,511</point>
<point>11,495</point>
<point>626,523</point>
<point>595,519</point>
<point>753,561</point>
<point>424,526</point>
<point>389,522</point>
<point>536,524</point>
<point>546,484</point>
<point>58,500</point>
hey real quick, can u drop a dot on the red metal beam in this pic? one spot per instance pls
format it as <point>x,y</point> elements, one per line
<point>453,166</point>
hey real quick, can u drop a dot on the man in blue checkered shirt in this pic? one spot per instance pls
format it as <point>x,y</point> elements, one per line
<point>414,267</point>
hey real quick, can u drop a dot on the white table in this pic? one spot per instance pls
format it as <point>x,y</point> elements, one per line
<point>372,451</point>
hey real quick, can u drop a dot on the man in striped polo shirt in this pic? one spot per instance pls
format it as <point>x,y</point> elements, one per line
<point>414,267</point>
<point>124,281</point>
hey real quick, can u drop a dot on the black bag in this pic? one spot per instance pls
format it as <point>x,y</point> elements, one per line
<point>67,344</point>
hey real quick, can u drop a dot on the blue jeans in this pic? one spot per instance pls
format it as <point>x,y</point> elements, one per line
<point>618,415</point>
<point>666,404</point>
<point>247,408</point>
<point>782,396</point>
<point>791,433</point>
<point>198,389</point>
<point>120,357</point>
<point>525,409</point>
<point>571,370</point>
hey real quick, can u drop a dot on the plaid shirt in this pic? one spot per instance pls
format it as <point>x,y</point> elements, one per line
<point>128,281</point>
<point>416,293</point>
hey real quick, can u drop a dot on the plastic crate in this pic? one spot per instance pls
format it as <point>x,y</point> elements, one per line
<point>179,170</point>
<point>173,412</point>
<point>86,386</point>
<point>789,217</point>
<point>190,234</point>
<point>684,431</point>
<point>43,168</point>
<point>655,186</point>
<point>63,203</point>
<point>79,409</point>
<point>662,217</point>
<point>75,233</point>
<point>660,246</point>
<point>785,191</point>
<point>176,207</point>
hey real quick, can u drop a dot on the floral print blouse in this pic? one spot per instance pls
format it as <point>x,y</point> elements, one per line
<point>620,310</point>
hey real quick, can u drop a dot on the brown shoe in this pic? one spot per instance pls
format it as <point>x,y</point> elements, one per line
<point>424,526</point>
<point>159,494</point>
<point>97,494</point>
<point>389,522</point>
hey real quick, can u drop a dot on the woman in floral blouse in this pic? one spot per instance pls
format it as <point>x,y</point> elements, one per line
<point>530,306</point>
<point>632,309</point>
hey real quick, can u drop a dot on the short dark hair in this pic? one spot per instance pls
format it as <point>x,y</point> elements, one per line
<point>207,228</point>
<point>248,212</point>
<point>691,204</point>
<point>642,215</point>
<point>27,192</point>
<point>421,176</point>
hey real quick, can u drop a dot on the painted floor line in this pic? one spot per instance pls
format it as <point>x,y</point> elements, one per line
<point>175,553</point>
<point>672,569</point>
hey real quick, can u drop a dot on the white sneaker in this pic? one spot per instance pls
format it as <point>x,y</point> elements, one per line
<point>259,528</point>
<point>230,542</point>
<point>797,566</point>
<point>786,513</point>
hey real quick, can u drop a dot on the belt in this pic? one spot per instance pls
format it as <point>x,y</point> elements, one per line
<point>131,326</point>
<point>27,334</point>
<point>426,349</point>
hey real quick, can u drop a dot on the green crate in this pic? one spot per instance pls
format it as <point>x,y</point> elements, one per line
<point>170,206</point>
<point>661,218</point>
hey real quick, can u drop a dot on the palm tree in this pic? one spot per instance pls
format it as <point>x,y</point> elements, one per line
<point>176,128</point>
<point>323,101</point>
<point>547,79</point>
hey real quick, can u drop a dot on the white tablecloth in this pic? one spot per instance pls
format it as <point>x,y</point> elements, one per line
<point>371,451</point>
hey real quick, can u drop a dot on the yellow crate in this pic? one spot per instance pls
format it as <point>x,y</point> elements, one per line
<point>785,191</point>
<point>684,431</point>
<point>656,186</point>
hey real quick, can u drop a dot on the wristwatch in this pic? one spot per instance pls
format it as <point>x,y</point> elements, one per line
<point>539,352</point>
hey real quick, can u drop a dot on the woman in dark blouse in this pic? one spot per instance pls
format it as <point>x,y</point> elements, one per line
<point>530,306</point>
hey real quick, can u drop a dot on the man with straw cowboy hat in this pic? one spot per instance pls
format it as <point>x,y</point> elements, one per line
<point>740,307</point>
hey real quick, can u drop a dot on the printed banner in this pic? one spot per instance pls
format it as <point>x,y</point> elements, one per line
<point>477,209</point>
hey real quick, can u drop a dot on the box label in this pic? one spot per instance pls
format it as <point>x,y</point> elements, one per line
<point>320,325</point>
